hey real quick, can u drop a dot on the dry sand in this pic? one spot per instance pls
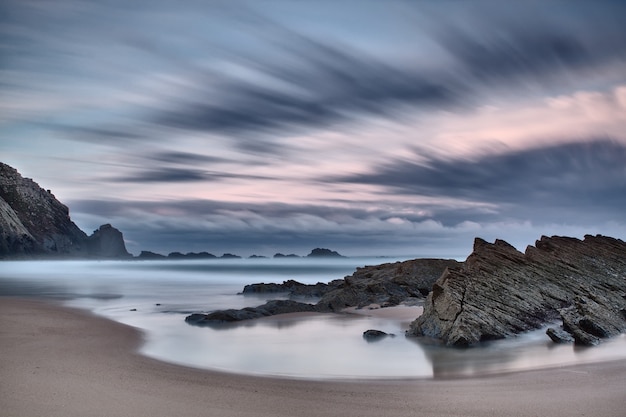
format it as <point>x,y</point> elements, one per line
<point>56,361</point>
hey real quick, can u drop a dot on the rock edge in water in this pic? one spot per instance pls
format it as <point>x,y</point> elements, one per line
<point>386,285</point>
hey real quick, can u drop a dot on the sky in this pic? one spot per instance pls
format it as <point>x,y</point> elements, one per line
<point>367,127</point>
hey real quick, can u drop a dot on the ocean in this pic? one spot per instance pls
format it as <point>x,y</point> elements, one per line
<point>156,296</point>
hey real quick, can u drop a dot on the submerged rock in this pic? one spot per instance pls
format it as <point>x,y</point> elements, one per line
<point>270,308</point>
<point>500,292</point>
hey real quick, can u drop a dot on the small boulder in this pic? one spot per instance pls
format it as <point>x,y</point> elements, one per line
<point>373,335</point>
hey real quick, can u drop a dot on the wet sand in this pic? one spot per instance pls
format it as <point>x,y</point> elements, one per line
<point>63,362</point>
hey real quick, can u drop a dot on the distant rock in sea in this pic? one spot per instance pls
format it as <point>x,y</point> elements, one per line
<point>500,292</point>
<point>147,255</point>
<point>291,255</point>
<point>230,256</point>
<point>324,253</point>
<point>33,223</point>
<point>107,242</point>
<point>191,255</point>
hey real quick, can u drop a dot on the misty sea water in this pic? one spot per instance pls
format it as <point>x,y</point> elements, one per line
<point>156,296</point>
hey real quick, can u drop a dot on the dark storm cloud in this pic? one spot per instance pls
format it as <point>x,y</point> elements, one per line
<point>110,134</point>
<point>572,178</point>
<point>184,158</point>
<point>168,174</point>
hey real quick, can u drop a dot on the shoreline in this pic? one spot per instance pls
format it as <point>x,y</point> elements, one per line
<point>59,361</point>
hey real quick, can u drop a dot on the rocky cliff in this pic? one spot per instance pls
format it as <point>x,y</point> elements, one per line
<point>499,292</point>
<point>34,223</point>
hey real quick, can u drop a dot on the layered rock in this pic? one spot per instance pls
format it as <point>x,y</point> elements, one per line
<point>500,292</point>
<point>34,223</point>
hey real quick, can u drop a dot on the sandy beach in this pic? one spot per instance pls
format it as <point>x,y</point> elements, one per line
<point>64,362</point>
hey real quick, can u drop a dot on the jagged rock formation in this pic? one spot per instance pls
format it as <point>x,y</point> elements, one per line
<point>499,292</point>
<point>107,242</point>
<point>34,223</point>
<point>387,284</point>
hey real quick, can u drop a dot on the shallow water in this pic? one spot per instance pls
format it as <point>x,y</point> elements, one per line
<point>163,293</point>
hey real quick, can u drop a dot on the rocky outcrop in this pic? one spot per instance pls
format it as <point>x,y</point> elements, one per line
<point>500,292</point>
<point>292,288</point>
<point>34,223</point>
<point>387,284</point>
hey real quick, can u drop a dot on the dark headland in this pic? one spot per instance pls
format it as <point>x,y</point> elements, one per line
<point>34,224</point>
